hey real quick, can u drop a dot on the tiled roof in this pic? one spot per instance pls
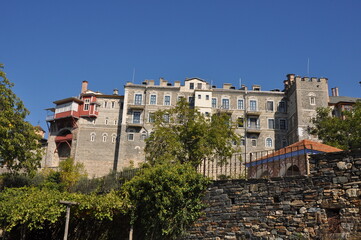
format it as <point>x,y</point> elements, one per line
<point>299,148</point>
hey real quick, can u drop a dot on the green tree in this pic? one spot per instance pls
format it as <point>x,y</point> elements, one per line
<point>164,200</point>
<point>343,133</point>
<point>185,135</point>
<point>70,172</point>
<point>19,143</point>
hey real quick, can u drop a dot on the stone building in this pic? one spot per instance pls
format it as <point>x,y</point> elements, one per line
<point>86,128</point>
<point>107,132</point>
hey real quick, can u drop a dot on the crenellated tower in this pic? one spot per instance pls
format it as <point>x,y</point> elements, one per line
<point>304,95</point>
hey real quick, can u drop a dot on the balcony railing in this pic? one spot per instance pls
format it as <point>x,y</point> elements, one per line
<point>49,118</point>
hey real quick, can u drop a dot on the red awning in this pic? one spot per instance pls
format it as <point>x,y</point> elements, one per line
<point>66,138</point>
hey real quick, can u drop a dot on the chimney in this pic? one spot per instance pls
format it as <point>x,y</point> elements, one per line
<point>115,92</point>
<point>163,82</point>
<point>227,85</point>
<point>336,91</point>
<point>84,86</point>
<point>177,83</point>
<point>291,77</point>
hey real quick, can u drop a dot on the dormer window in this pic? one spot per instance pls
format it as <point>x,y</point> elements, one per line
<point>199,85</point>
<point>191,85</point>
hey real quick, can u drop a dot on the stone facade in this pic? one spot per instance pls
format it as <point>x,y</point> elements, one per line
<point>324,205</point>
<point>268,120</point>
<point>106,136</point>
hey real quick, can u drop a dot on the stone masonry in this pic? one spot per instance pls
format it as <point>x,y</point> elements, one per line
<point>324,205</point>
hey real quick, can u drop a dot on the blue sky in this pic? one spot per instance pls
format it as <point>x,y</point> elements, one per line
<point>50,47</point>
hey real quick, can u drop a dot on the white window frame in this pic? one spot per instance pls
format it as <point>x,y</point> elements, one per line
<point>149,117</point>
<point>226,100</point>
<point>104,137</point>
<point>134,115</point>
<point>165,97</point>
<point>155,99</point>
<point>312,100</point>
<point>269,142</point>
<point>268,123</point>
<point>92,136</point>
<point>240,106</point>
<point>216,100</point>
<point>273,106</point>
<point>250,105</point>
<point>86,104</point>
<point>114,138</point>
<point>138,99</point>
<point>105,104</point>
<point>113,104</point>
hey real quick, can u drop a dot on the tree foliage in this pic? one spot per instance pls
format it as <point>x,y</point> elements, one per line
<point>185,135</point>
<point>343,133</point>
<point>165,199</point>
<point>35,207</point>
<point>19,145</point>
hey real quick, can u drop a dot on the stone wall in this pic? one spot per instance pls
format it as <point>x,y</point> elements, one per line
<point>324,205</point>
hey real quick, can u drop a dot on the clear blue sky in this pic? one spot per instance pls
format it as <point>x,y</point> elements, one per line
<point>49,47</point>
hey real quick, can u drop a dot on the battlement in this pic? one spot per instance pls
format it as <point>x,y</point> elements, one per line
<point>292,79</point>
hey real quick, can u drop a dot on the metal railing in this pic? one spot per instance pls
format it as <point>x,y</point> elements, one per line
<point>289,161</point>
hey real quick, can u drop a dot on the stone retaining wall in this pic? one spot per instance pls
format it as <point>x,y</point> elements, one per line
<point>324,205</point>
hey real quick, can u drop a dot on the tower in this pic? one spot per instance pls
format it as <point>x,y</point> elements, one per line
<point>304,95</point>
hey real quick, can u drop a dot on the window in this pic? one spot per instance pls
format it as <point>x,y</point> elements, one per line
<point>191,101</point>
<point>92,137</point>
<point>199,96</point>
<point>240,104</point>
<point>271,123</point>
<point>105,104</point>
<point>166,118</point>
<point>284,143</point>
<point>243,142</point>
<point>269,142</point>
<point>282,106</point>
<point>113,104</point>
<point>130,136</point>
<point>143,136</point>
<point>253,105</point>
<point>151,118</point>
<point>138,99</point>
<point>105,137</point>
<point>240,122</point>
<point>225,103</point>
<point>214,102</point>
<point>167,100</point>
<point>114,138</point>
<point>136,117</point>
<point>254,141</point>
<point>207,114</point>
<point>199,85</point>
<point>153,99</point>
<point>269,106</point>
<point>312,100</point>
<point>191,85</point>
<point>283,125</point>
<point>207,97</point>
<point>253,123</point>
<point>106,121</point>
<point>86,105</point>
<point>180,98</point>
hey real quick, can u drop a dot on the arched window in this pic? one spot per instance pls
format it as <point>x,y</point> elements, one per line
<point>92,137</point>
<point>114,138</point>
<point>269,142</point>
<point>105,137</point>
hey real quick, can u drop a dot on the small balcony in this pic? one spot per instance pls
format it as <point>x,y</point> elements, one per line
<point>137,125</point>
<point>49,118</point>
<point>136,106</point>
<point>254,129</point>
<point>253,112</point>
